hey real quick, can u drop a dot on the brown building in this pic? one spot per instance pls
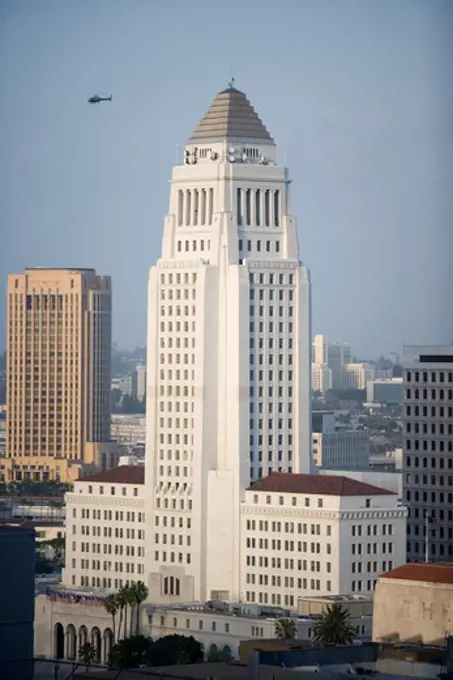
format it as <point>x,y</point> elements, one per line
<point>414,603</point>
<point>58,372</point>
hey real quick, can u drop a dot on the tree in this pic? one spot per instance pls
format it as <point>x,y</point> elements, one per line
<point>213,654</point>
<point>131,652</point>
<point>334,627</point>
<point>123,601</point>
<point>140,594</point>
<point>111,605</point>
<point>285,629</point>
<point>176,649</point>
<point>87,654</point>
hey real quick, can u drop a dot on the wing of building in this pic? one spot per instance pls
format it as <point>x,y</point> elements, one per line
<point>229,349</point>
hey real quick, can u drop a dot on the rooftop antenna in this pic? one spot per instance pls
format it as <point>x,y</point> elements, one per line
<point>231,83</point>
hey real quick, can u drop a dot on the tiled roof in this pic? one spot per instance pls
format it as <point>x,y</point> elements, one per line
<point>230,116</point>
<point>125,474</point>
<point>321,485</point>
<point>421,571</point>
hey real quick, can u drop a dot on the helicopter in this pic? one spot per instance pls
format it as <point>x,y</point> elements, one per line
<point>96,98</point>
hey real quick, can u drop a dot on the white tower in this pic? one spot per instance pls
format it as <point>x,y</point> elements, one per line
<point>229,351</point>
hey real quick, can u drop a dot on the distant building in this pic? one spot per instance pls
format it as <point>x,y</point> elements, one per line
<point>414,603</point>
<point>395,358</point>
<point>2,387</point>
<point>385,391</point>
<point>335,447</point>
<point>17,578</point>
<point>356,376</point>
<point>428,450</point>
<point>58,367</point>
<point>141,381</point>
<point>339,354</point>
<point>128,385</point>
<point>321,378</point>
<point>129,429</point>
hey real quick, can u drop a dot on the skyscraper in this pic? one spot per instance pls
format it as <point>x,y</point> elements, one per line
<point>321,374</point>
<point>59,354</point>
<point>428,452</point>
<point>339,354</point>
<point>229,350</point>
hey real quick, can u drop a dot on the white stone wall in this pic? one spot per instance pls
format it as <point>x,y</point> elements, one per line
<point>229,269</point>
<point>105,535</point>
<point>292,549</point>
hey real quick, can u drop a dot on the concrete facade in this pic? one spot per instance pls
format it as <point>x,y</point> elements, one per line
<point>332,542</point>
<point>58,368</point>
<point>409,609</point>
<point>428,450</point>
<point>228,350</point>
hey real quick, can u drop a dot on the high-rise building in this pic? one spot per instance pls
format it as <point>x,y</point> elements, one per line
<point>339,354</point>
<point>58,368</point>
<point>321,374</point>
<point>356,376</point>
<point>320,349</point>
<point>140,371</point>
<point>428,451</point>
<point>229,350</point>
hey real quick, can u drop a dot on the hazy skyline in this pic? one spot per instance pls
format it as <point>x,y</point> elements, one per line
<point>358,96</point>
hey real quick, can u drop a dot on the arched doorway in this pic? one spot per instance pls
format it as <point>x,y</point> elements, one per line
<point>83,636</point>
<point>107,644</point>
<point>71,643</point>
<point>96,642</point>
<point>58,641</point>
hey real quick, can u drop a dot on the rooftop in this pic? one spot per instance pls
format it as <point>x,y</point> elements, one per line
<point>320,485</point>
<point>420,571</point>
<point>125,474</point>
<point>230,116</point>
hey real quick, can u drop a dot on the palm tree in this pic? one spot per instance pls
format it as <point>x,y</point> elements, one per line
<point>111,605</point>
<point>334,627</point>
<point>141,593</point>
<point>122,603</point>
<point>87,654</point>
<point>285,629</point>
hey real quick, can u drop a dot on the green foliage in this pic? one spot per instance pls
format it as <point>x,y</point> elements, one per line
<point>138,650</point>
<point>285,629</point>
<point>87,654</point>
<point>215,654</point>
<point>334,627</point>
<point>30,489</point>
<point>132,652</point>
<point>173,649</point>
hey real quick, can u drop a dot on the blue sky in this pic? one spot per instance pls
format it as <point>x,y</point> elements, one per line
<point>357,93</point>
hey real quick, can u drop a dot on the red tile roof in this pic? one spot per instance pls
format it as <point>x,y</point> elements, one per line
<point>321,485</point>
<point>125,474</point>
<point>421,571</point>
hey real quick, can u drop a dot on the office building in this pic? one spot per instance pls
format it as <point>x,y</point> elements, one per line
<point>385,391</point>
<point>428,451</point>
<point>140,371</point>
<point>356,376</point>
<point>229,349</point>
<point>339,354</point>
<point>58,368</point>
<point>105,528</point>
<point>317,535</point>
<point>336,447</point>
<point>321,374</point>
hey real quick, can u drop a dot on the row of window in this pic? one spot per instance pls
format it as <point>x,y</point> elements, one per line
<point>429,376</point>
<point>433,394</point>
<point>428,445</point>
<point>257,207</point>
<point>287,546</point>
<point>195,207</point>
<point>117,515</point>
<point>178,278</point>
<point>172,557</point>
<point>113,490</point>
<point>288,527</point>
<point>271,279</point>
<point>414,461</point>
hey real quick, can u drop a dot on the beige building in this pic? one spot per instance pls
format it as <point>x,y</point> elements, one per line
<point>58,371</point>
<point>414,603</point>
<point>357,376</point>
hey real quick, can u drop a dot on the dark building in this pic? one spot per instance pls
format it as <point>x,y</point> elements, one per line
<point>17,602</point>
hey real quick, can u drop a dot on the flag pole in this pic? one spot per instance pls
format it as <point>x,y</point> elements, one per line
<point>426,537</point>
